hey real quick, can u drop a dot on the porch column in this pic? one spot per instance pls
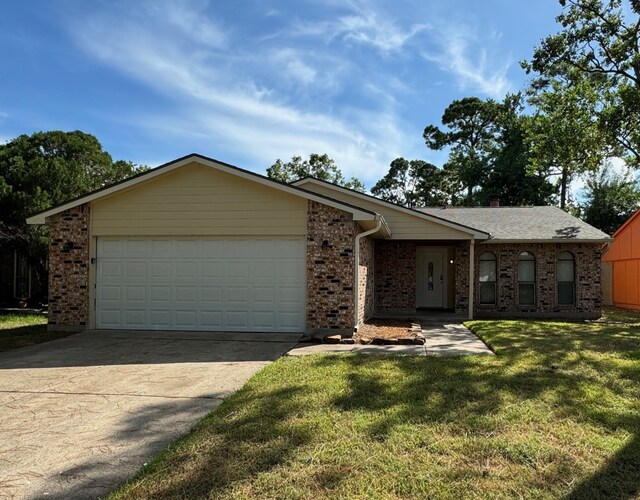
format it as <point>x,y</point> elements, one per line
<point>471,273</point>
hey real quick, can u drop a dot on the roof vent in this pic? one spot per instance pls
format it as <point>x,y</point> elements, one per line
<point>494,202</point>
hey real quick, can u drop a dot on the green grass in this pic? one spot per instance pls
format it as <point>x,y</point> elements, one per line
<point>20,330</point>
<point>555,414</point>
<point>613,314</point>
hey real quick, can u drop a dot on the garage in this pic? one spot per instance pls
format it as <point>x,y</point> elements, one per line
<point>200,245</point>
<point>216,284</point>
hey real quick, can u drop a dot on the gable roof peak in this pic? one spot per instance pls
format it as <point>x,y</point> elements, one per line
<point>358,213</point>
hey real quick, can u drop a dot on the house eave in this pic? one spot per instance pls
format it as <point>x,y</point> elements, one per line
<point>472,232</point>
<point>359,214</point>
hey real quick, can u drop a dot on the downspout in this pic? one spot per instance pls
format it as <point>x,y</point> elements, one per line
<point>356,286</point>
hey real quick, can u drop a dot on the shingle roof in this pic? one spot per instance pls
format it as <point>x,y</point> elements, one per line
<point>522,223</point>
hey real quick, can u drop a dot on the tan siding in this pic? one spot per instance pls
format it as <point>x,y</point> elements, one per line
<point>403,226</point>
<point>198,200</point>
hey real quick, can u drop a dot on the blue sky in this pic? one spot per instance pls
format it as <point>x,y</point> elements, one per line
<point>247,82</point>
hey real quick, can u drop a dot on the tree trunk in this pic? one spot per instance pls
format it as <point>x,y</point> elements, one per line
<point>470,196</point>
<point>563,188</point>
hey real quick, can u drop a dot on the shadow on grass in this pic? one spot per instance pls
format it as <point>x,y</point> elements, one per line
<point>246,436</point>
<point>619,478</point>
<point>585,373</point>
<point>574,374</point>
<point>22,336</point>
<point>22,330</point>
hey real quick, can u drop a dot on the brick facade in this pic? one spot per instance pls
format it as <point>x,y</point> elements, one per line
<point>69,269</point>
<point>461,263</point>
<point>395,275</point>
<point>387,274</point>
<point>588,297</point>
<point>366,277</point>
<point>330,269</point>
<point>395,279</point>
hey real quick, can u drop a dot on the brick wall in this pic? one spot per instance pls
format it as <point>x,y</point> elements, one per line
<point>366,290</point>
<point>69,269</point>
<point>461,262</point>
<point>330,269</point>
<point>395,275</point>
<point>587,280</point>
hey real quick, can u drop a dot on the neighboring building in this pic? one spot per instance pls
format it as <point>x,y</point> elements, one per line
<point>198,244</point>
<point>621,265</point>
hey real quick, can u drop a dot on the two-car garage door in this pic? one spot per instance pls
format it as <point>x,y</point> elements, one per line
<point>201,284</point>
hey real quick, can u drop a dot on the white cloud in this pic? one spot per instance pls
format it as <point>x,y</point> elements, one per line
<point>295,66</point>
<point>219,95</point>
<point>301,71</point>
<point>190,19</point>
<point>364,26</point>
<point>464,56</point>
<point>455,47</point>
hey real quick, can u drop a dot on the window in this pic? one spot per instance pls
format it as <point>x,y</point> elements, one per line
<point>487,278</point>
<point>526,279</point>
<point>565,275</point>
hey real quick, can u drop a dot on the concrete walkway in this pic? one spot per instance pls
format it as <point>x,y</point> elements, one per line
<point>442,339</point>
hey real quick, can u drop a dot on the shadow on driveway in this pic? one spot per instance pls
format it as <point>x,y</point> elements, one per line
<point>126,347</point>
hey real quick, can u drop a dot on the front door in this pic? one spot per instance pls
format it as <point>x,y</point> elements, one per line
<point>431,279</point>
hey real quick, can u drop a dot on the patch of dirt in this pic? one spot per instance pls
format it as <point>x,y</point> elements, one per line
<point>385,329</point>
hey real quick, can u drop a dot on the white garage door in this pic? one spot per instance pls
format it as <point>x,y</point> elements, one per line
<point>201,284</point>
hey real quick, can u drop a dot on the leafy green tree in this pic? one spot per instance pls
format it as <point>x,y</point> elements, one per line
<point>564,133</point>
<point>319,166</point>
<point>510,177</point>
<point>598,44</point>
<point>411,183</point>
<point>452,185</point>
<point>610,199</point>
<point>471,134</point>
<point>46,169</point>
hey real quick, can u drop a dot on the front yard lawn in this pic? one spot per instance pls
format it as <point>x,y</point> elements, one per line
<point>20,330</point>
<point>555,414</point>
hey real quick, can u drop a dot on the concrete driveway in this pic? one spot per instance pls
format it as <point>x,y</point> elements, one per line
<point>80,415</point>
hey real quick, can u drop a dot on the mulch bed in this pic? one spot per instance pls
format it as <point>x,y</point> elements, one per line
<point>388,331</point>
<point>375,331</point>
<point>385,328</point>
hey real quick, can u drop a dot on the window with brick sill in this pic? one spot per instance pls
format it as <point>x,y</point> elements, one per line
<point>565,278</point>
<point>526,279</point>
<point>487,279</point>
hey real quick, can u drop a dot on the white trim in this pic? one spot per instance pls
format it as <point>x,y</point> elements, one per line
<point>476,233</point>
<point>358,214</point>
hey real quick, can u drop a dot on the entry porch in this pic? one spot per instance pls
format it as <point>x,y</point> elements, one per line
<point>426,279</point>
